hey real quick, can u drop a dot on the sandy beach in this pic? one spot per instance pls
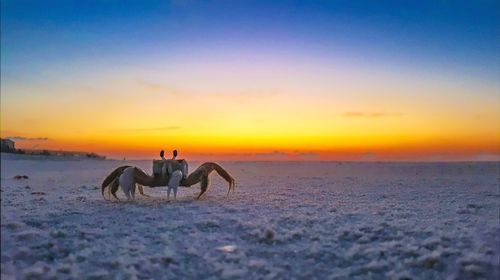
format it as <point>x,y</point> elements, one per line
<point>286,220</point>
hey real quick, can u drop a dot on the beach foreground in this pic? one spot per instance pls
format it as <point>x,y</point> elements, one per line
<point>285,220</point>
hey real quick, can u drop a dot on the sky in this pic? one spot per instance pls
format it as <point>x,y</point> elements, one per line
<point>254,80</point>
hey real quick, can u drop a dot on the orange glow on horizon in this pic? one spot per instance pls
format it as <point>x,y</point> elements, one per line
<point>282,149</point>
<point>134,119</point>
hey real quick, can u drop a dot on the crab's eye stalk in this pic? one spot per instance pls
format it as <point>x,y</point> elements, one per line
<point>175,153</point>
<point>162,153</point>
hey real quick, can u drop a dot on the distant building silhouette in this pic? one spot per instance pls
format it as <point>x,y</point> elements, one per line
<point>8,146</point>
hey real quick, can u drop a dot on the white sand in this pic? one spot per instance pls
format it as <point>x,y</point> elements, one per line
<point>285,221</point>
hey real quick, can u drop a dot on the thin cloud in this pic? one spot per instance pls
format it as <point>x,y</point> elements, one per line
<point>306,155</point>
<point>262,94</point>
<point>244,96</point>
<point>357,114</point>
<point>274,154</point>
<point>296,155</point>
<point>146,129</point>
<point>368,156</point>
<point>487,157</point>
<point>157,88</point>
<point>21,138</point>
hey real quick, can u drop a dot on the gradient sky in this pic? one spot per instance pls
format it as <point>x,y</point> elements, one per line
<point>254,80</point>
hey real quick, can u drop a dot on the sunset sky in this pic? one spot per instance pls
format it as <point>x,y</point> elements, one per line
<point>254,80</point>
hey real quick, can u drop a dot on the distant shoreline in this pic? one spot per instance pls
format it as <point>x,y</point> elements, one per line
<point>82,156</point>
<point>51,153</point>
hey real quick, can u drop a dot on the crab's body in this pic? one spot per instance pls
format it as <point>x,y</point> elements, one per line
<point>128,176</point>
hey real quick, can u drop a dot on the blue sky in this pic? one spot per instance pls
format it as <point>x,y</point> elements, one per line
<point>459,36</point>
